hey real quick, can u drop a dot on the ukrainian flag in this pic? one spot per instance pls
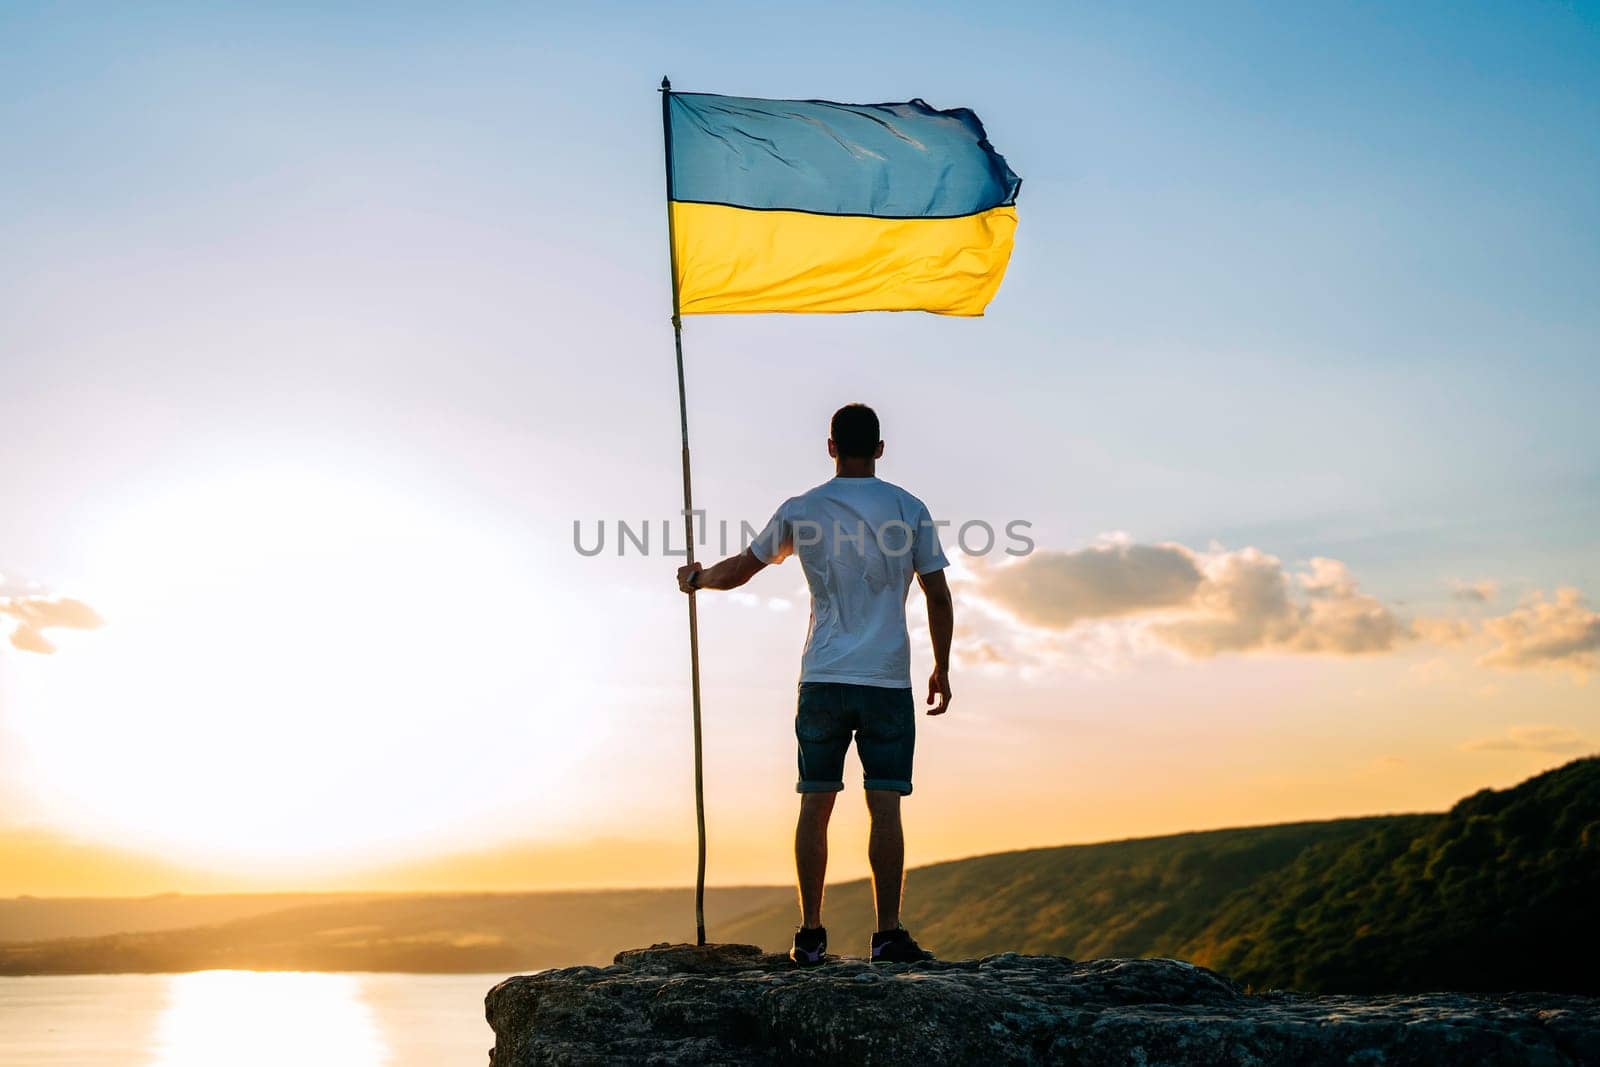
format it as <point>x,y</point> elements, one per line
<point>812,206</point>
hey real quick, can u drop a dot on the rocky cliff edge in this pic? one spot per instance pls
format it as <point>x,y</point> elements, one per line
<point>727,1004</point>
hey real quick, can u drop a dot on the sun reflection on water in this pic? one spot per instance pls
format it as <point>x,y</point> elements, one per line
<point>266,1019</point>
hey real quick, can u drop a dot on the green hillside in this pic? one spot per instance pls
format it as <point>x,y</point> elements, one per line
<point>1498,893</point>
<point>1124,898</point>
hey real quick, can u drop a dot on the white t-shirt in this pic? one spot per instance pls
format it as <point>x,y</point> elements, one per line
<point>859,540</point>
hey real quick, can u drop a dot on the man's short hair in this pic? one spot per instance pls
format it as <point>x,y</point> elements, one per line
<point>855,431</point>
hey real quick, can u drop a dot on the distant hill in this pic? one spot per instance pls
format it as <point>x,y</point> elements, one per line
<point>441,933</point>
<point>416,933</point>
<point>29,918</point>
<point>1498,893</point>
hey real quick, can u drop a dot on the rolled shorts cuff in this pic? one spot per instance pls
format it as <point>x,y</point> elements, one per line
<point>818,787</point>
<point>891,784</point>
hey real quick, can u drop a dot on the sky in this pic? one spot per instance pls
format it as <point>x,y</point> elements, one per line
<point>321,326</point>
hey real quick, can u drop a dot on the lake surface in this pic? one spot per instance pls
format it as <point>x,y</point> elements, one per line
<point>245,1019</point>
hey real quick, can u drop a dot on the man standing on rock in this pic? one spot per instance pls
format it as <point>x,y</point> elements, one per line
<point>859,540</point>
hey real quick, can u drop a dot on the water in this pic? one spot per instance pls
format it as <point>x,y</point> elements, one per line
<point>245,1019</point>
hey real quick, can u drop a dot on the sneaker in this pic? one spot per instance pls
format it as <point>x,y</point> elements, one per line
<point>897,946</point>
<point>809,946</point>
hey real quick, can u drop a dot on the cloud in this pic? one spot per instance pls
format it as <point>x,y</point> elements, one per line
<point>1097,608</point>
<point>1057,589</point>
<point>1338,617</point>
<point>1243,603</point>
<point>1479,592</point>
<point>1441,631</point>
<point>970,651</point>
<point>1560,632</point>
<point>1201,604</point>
<point>989,637</point>
<point>1552,740</point>
<point>1248,603</point>
<point>34,613</point>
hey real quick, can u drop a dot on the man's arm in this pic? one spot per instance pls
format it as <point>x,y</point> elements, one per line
<point>941,625</point>
<point>731,573</point>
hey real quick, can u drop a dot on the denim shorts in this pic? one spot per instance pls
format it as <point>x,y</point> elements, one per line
<point>883,722</point>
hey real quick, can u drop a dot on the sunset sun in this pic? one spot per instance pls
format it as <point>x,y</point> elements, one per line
<point>291,669</point>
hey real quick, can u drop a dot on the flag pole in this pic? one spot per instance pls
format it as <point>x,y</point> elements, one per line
<point>688,526</point>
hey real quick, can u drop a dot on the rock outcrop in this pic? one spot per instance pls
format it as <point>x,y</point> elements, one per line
<point>726,1004</point>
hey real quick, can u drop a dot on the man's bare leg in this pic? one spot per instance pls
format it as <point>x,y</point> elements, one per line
<point>811,854</point>
<point>886,851</point>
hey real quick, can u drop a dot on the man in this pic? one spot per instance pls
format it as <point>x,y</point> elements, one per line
<point>859,540</point>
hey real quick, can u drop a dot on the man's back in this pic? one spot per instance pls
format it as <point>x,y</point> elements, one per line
<point>860,541</point>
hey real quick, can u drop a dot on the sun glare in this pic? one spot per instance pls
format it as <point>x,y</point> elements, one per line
<point>295,669</point>
<point>249,1019</point>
